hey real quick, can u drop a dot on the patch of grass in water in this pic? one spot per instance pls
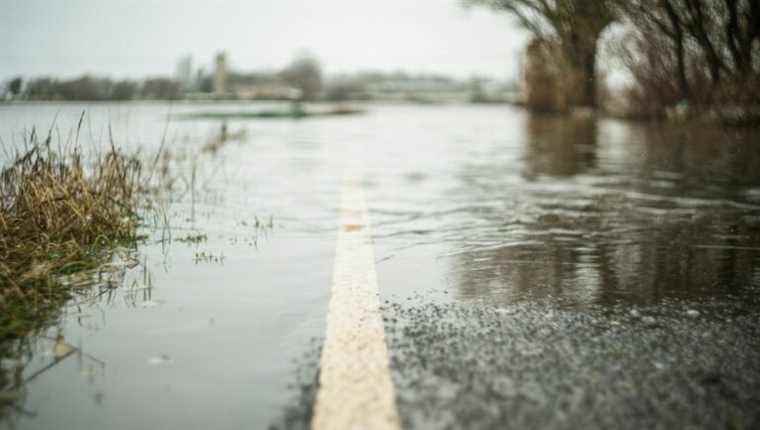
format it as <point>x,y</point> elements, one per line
<point>59,215</point>
<point>259,224</point>
<point>208,257</point>
<point>193,238</point>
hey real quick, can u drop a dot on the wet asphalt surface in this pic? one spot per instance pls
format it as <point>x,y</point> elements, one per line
<point>678,364</point>
<point>675,365</point>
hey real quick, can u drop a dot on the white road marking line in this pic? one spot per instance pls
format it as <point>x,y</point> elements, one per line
<point>355,387</point>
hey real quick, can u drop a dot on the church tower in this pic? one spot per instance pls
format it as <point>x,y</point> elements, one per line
<point>220,74</point>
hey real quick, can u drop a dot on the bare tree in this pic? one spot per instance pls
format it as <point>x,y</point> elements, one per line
<point>304,73</point>
<point>714,45</point>
<point>576,25</point>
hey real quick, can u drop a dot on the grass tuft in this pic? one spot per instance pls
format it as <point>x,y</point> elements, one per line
<point>59,214</point>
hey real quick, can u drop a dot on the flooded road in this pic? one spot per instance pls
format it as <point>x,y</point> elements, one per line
<point>582,212</point>
<point>534,271</point>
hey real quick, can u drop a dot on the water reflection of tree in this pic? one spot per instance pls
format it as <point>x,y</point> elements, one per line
<point>23,360</point>
<point>12,356</point>
<point>16,375</point>
<point>698,157</point>
<point>671,220</point>
<point>559,146</point>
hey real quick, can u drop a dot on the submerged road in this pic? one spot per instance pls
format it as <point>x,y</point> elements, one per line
<point>532,365</point>
<point>480,365</point>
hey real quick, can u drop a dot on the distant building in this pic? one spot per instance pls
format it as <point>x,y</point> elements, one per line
<point>268,86</point>
<point>233,84</point>
<point>421,88</point>
<point>220,74</point>
<point>184,73</point>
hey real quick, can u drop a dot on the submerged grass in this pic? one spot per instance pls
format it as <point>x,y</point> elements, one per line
<point>59,214</point>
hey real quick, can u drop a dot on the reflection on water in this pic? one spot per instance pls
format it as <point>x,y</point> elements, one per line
<point>41,355</point>
<point>613,213</point>
<point>556,146</point>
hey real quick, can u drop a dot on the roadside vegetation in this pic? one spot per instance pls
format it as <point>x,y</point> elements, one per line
<point>693,58</point>
<point>60,213</point>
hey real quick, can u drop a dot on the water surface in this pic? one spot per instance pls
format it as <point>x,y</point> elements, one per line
<point>483,205</point>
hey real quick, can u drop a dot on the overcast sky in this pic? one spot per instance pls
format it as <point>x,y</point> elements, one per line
<point>134,38</point>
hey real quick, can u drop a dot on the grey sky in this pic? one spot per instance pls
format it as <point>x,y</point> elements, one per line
<point>133,38</point>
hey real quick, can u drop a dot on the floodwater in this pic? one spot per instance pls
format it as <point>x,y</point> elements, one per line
<point>481,210</point>
<point>581,212</point>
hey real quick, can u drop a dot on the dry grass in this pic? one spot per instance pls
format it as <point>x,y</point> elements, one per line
<point>59,214</point>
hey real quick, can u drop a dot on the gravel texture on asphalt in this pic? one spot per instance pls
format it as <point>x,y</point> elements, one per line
<point>534,365</point>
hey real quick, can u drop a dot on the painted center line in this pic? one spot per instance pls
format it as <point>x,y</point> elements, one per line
<point>355,387</point>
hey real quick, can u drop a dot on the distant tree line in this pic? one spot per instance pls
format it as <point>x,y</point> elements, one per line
<point>89,88</point>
